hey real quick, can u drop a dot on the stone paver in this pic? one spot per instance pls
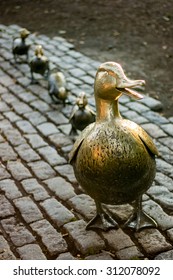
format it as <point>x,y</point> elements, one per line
<point>10,189</point>
<point>58,213</point>
<point>6,208</point>
<point>153,241</point>
<point>31,252</point>
<point>53,240</point>
<point>43,210</point>
<point>51,156</point>
<point>85,241</point>
<point>27,153</point>
<point>17,232</point>
<point>32,187</point>
<point>60,187</point>
<point>18,170</point>
<point>4,173</point>
<point>6,152</point>
<point>28,209</point>
<point>42,170</point>
<point>5,252</point>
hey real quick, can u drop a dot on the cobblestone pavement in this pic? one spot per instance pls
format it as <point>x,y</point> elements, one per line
<point>43,211</point>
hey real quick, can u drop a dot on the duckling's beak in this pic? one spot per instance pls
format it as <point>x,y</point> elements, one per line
<point>80,103</point>
<point>25,32</point>
<point>126,87</point>
<point>28,32</point>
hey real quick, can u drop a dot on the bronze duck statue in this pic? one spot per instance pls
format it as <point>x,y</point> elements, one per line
<point>57,87</point>
<point>19,46</point>
<point>82,115</point>
<point>114,158</point>
<point>39,64</point>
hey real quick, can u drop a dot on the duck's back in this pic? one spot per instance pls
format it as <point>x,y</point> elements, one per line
<point>20,47</point>
<point>114,163</point>
<point>39,65</point>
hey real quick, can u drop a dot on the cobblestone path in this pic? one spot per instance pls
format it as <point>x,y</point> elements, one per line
<point>43,211</point>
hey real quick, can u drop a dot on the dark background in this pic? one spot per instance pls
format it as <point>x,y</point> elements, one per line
<point>137,34</point>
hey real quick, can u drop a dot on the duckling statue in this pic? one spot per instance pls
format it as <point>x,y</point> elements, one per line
<point>19,46</point>
<point>57,87</point>
<point>114,158</point>
<point>39,64</point>
<point>82,115</point>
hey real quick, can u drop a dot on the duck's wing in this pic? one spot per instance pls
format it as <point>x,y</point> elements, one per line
<point>74,110</point>
<point>148,142</point>
<point>16,42</point>
<point>79,141</point>
<point>88,108</point>
<point>139,132</point>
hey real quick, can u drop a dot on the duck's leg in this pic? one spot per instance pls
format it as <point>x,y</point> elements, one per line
<point>33,81</point>
<point>27,57</point>
<point>73,131</point>
<point>102,220</point>
<point>139,219</point>
<point>15,57</point>
<point>46,73</point>
<point>53,97</point>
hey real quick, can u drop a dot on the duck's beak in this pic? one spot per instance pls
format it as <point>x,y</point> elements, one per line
<point>127,86</point>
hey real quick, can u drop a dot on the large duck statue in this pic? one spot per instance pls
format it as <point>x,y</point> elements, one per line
<point>57,87</point>
<point>39,64</point>
<point>19,46</point>
<point>82,115</point>
<point>114,158</point>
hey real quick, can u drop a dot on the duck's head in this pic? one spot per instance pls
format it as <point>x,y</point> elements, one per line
<point>111,82</point>
<point>82,100</point>
<point>24,33</point>
<point>39,51</point>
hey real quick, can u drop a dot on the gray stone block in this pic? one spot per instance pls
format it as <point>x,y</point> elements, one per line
<point>6,208</point>
<point>152,241</point>
<point>32,187</point>
<point>60,187</point>
<point>18,170</point>
<point>87,242</point>
<point>31,252</point>
<point>28,209</point>
<point>51,156</point>
<point>42,170</point>
<point>58,213</point>
<point>10,189</point>
<point>53,240</point>
<point>18,233</point>
<point>5,251</point>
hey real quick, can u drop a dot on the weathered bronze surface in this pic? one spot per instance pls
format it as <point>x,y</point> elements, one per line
<point>57,87</point>
<point>82,115</point>
<point>39,64</point>
<point>19,46</point>
<point>114,158</point>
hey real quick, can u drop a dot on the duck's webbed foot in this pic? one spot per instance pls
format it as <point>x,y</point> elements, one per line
<point>34,82</point>
<point>139,219</point>
<point>102,220</point>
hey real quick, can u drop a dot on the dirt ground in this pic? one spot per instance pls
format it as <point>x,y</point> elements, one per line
<point>137,34</point>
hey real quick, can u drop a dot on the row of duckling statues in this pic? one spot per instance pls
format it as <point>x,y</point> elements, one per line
<point>113,158</point>
<point>81,115</point>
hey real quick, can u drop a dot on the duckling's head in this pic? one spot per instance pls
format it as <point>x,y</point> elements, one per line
<point>111,82</point>
<point>82,100</point>
<point>24,33</point>
<point>39,51</point>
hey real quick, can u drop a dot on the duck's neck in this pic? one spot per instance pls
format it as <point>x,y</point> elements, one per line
<point>107,110</point>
